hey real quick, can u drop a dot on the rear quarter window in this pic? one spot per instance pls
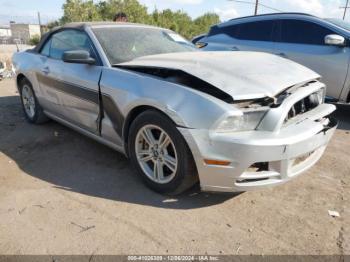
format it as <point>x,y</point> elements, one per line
<point>254,31</point>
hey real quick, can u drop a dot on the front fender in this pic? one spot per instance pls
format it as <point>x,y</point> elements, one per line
<point>185,106</point>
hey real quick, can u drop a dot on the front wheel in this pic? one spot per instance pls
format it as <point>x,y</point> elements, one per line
<point>160,154</point>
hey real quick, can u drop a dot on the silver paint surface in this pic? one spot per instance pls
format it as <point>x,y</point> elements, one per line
<point>242,75</point>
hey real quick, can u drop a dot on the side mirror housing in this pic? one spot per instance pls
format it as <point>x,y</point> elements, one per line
<point>335,40</point>
<point>78,57</point>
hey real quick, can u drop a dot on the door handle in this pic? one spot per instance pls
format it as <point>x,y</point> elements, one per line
<point>234,48</point>
<point>45,70</point>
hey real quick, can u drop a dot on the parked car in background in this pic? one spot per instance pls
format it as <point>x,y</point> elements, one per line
<point>320,44</point>
<point>235,121</point>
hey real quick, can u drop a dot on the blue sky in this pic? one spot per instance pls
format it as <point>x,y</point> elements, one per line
<point>26,10</point>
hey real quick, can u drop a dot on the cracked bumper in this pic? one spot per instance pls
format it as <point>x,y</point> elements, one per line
<point>287,154</point>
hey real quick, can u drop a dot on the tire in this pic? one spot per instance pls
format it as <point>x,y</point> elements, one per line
<point>176,178</point>
<point>34,115</point>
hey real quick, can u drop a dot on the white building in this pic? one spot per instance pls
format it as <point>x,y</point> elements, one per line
<point>24,32</point>
<point>5,31</point>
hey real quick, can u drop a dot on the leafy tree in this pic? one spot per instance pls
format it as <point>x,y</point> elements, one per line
<point>136,12</point>
<point>52,24</point>
<point>34,40</point>
<point>203,23</point>
<point>79,11</point>
<point>104,10</point>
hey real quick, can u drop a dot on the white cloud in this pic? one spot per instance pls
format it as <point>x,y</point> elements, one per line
<point>186,2</point>
<point>227,13</point>
<point>308,6</point>
<point>317,7</point>
<point>169,3</point>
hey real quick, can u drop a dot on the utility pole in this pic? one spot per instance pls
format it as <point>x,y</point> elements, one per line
<point>39,20</point>
<point>345,8</point>
<point>257,5</point>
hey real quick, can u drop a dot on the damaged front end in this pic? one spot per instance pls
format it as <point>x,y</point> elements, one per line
<point>268,141</point>
<point>180,77</point>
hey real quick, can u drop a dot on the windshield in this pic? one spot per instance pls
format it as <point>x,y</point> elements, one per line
<point>340,23</point>
<point>123,44</point>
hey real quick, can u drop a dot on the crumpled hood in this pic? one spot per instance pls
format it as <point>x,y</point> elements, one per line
<point>242,75</point>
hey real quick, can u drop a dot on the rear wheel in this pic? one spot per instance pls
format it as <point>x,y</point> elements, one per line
<point>160,154</point>
<point>31,107</point>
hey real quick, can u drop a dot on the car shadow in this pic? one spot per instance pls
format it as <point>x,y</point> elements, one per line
<point>72,162</point>
<point>342,114</point>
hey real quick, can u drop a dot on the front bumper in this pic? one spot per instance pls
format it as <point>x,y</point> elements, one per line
<point>286,154</point>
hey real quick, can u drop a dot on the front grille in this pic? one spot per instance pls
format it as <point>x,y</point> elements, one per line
<point>304,105</point>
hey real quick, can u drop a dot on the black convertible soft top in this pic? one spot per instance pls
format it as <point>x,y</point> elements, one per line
<point>79,26</point>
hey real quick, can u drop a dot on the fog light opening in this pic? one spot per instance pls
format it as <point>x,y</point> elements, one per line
<point>258,167</point>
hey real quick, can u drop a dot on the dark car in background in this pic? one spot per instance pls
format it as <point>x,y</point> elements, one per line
<point>320,44</point>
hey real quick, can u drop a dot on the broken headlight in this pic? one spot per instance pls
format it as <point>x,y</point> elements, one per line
<point>317,98</point>
<point>249,120</point>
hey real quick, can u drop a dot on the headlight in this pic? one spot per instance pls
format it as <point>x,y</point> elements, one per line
<point>247,121</point>
<point>318,97</point>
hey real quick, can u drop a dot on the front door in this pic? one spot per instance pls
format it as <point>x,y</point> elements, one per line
<point>304,43</point>
<point>70,91</point>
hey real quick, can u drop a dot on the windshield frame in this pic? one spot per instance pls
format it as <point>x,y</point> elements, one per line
<point>102,48</point>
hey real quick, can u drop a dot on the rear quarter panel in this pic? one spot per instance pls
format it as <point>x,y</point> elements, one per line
<point>29,64</point>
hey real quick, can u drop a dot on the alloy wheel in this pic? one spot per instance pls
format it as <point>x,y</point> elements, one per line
<point>28,101</point>
<point>156,154</point>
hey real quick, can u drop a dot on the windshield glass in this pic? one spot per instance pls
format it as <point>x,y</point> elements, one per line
<point>123,44</point>
<point>340,23</point>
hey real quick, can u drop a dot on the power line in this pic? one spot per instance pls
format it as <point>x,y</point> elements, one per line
<point>346,7</point>
<point>256,4</point>
<point>39,21</point>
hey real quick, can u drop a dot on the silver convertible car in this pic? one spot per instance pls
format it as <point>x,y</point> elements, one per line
<point>235,121</point>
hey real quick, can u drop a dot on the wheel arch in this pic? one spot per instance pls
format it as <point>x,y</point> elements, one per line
<point>132,115</point>
<point>19,78</point>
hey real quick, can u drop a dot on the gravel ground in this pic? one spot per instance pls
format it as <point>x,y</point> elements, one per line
<point>62,193</point>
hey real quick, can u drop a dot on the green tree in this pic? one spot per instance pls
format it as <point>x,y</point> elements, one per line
<point>52,24</point>
<point>34,40</point>
<point>203,23</point>
<point>104,10</point>
<point>178,21</point>
<point>136,12</point>
<point>79,11</point>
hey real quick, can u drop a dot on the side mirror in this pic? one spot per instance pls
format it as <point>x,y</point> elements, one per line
<point>78,57</point>
<point>335,40</point>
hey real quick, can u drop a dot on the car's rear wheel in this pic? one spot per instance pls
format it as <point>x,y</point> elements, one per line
<point>160,154</point>
<point>31,107</point>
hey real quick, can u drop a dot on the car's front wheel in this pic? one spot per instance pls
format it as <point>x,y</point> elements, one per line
<point>160,154</point>
<point>31,107</point>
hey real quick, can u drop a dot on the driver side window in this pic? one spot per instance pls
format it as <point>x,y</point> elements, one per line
<point>67,40</point>
<point>46,49</point>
